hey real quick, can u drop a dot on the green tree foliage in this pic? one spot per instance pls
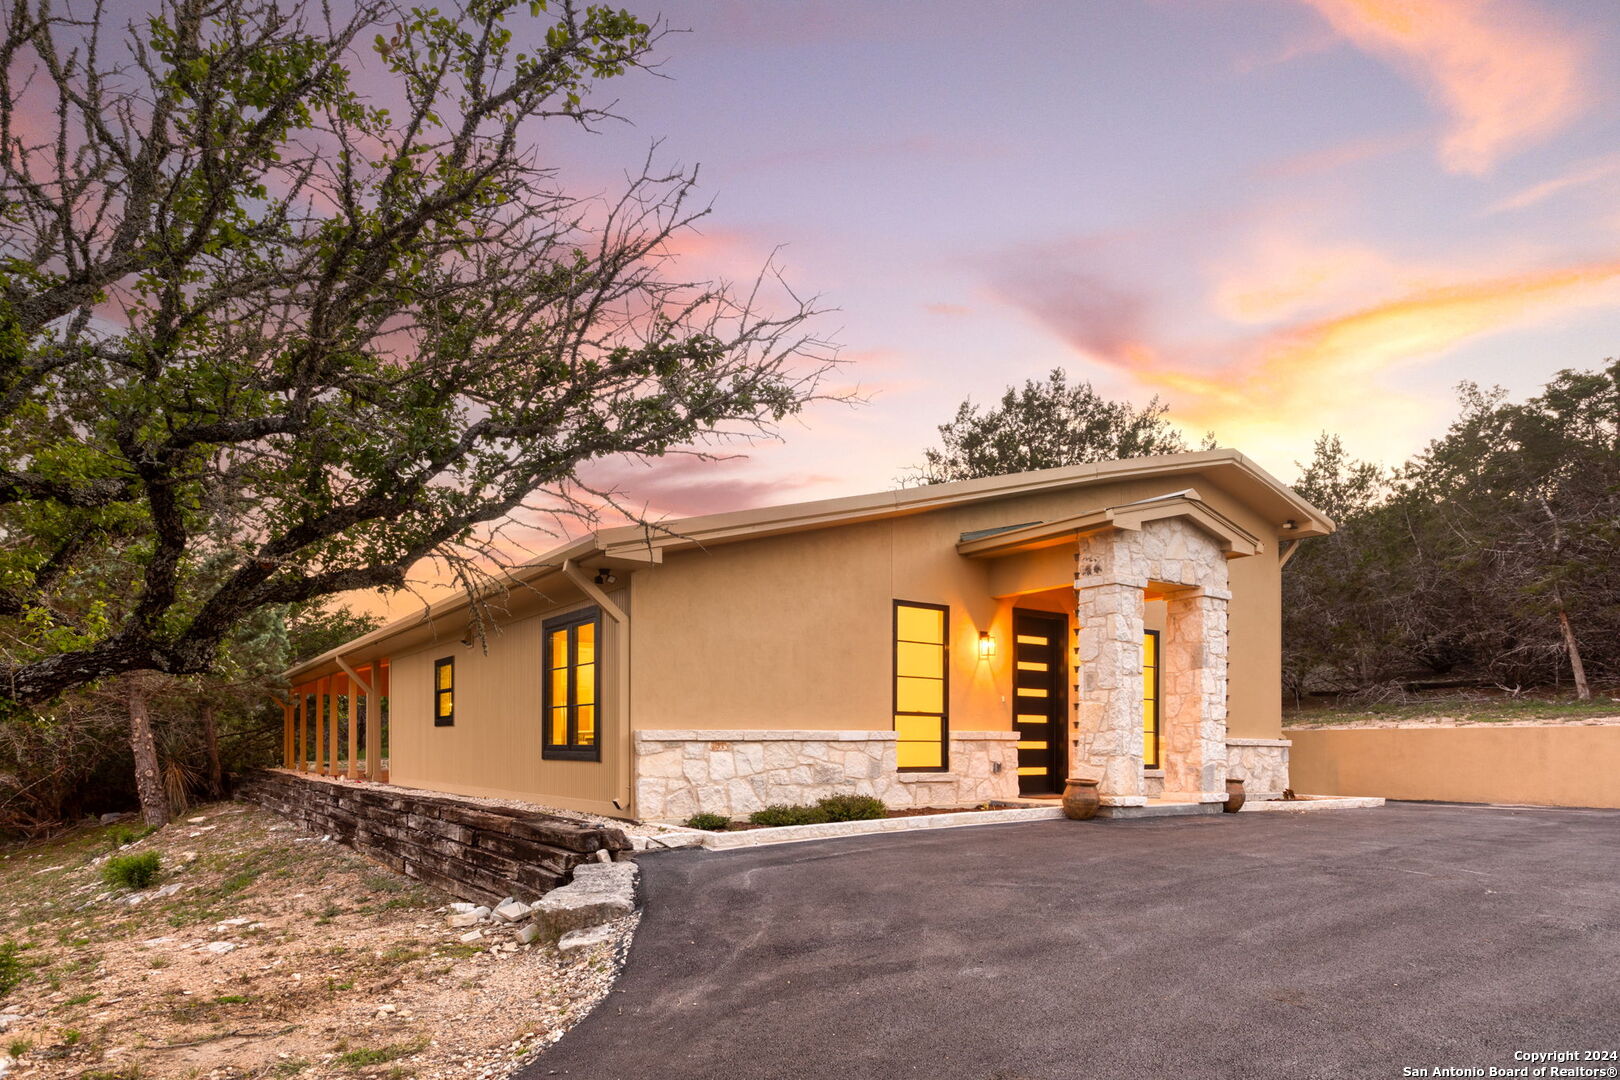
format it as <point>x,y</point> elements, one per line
<point>1045,425</point>
<point>266,339</point>
<point>74,756</point>
<point>1491,554</point>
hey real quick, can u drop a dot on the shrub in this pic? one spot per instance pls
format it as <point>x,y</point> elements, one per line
<point>708,822</point>
<point>11,968</point>
<point>782,814</point>
<point>123,835</point>
<point>852,807</point>
<point>131,871</point>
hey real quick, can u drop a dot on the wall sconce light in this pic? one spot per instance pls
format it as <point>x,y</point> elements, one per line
<point>987,645</point>
<point>605,577</point>
<point>1290,525</point>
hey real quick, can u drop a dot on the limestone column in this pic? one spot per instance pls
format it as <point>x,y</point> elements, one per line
<point>1193,694</point>
<point>1108,611</point>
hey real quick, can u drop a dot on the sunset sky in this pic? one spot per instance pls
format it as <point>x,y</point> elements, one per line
<point>1280,216</point>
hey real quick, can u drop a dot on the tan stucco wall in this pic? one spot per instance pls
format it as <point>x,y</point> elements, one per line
<point>493,749</point>
<point>807,617</point>
<point>1548,765</point>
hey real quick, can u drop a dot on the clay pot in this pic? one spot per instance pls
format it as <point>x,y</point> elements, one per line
<point>1080,799</point>
<point>1234,795</point>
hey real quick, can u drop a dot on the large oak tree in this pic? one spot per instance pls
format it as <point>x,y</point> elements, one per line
<point>292,299</point>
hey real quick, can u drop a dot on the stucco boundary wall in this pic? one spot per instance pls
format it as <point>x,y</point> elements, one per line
<point>681,773</point>
<point>1540,765</point>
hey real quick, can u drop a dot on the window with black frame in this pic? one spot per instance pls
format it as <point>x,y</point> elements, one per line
<point>572,690</point>
<point>444,690</point>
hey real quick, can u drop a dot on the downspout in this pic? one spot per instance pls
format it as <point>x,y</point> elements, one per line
<point>622,797</point>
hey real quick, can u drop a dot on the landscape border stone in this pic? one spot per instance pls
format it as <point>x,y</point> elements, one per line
<point>476,852</point>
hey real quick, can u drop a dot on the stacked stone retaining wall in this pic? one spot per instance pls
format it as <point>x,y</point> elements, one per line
<point>472,850</point>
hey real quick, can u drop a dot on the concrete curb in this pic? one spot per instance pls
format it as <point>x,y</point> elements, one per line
<point>788,834</point>
<point>1314,802</point>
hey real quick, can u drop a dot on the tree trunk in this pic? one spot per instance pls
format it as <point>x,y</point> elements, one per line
<point>148,783</point>
<point>1578,669</point>
<point>216,776</point>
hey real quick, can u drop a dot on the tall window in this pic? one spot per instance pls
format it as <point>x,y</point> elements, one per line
<point>573,686</point>
<point>1150,699</point>
<point>921,686</point>
<point>444,690</point>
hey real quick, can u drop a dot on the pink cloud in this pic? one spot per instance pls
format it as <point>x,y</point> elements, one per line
<point>1502,73</point>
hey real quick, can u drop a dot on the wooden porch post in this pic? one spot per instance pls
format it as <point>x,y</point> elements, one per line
<point>385,715</point>
<point>332,762</point>
<point>301,731</point>
<point>286,734</point>
<point>322,739</point>
<point>374,722</point>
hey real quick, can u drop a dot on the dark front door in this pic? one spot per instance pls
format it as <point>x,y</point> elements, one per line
<point>1040,700</point>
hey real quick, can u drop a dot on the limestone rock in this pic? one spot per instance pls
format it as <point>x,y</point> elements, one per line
<point>575,943</point>
<point>512,911</point>
<point>599,893</point>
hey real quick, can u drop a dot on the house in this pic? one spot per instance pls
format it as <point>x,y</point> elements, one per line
<point>933,646</point>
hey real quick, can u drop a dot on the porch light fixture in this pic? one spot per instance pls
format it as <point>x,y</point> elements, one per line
<point>987,645</point>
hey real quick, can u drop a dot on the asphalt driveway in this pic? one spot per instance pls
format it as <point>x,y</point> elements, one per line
<point>1332,944</point>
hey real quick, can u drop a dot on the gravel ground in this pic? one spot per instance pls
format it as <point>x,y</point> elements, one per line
<point>264,952</point>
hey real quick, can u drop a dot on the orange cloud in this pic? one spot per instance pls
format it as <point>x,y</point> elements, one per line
<point>1282,276</point>
<point>1503,75</point>
<point>1322,374</point>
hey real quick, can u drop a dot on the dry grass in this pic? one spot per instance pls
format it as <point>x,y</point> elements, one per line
<point>1460,708</point>
<point>338,968</point>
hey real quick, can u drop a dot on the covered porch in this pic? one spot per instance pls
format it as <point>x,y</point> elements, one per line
<point>1140,591</point>
<point>337,724</point>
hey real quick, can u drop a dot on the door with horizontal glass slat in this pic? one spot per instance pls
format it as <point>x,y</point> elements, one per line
<point>1040,700</point>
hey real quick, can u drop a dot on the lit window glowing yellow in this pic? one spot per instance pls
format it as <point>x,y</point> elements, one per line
<point>1031,665</point>
<point>919,695</point>
<point>919,624</point>
<point>1150,700</point>
<point>1031,639</point>
<point>1032,770</point>
<point>918,660</point>
<point>1032,691</point>
<point>572,724</point>
<point>1031,744</point>
<point>920,745</point>
<point>445,676</point>
<point>445,707</point>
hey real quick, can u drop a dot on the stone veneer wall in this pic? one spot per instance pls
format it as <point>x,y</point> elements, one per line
<point>681,773</point>
<point>1262,765</point>
<point>472,850</point>
<point>1112,569</point>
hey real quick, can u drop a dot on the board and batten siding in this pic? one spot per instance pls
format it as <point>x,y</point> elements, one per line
<point>493,748</point>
